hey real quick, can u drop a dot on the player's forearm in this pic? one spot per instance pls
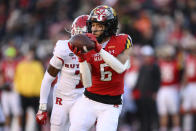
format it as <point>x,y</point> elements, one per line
<point>86,74</point>
<point>113,62</point>
<point>49,76</point>
<point>45,87</point>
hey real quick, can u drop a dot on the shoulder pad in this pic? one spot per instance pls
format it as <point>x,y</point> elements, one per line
<point>61,48</point>
<point>128,39</point>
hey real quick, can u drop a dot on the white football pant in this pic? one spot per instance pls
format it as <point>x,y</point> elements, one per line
<point>86,112</point>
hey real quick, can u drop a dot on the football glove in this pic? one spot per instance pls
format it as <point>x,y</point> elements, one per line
<point>98,47</point>
<point>42,115</point>
<point>77,53</point>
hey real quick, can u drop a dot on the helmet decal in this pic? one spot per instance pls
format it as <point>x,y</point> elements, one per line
<point>103,13</point>
<point>100,14</point>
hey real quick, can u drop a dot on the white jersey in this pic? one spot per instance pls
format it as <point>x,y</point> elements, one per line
<point>68,83</point>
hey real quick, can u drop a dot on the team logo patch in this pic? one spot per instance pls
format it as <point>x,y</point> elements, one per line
<point>97,57</point>
<point>111,51</point>
<point>58,101</point>
<point>71,54</point>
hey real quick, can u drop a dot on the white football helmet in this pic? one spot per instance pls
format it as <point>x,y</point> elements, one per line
<point>79,25</point>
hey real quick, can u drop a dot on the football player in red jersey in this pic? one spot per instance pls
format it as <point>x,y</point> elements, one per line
<point>68,88</point>
<point>107,62</point>
<point>189,84</point>
<point>9,98</point>
<point>168,94</point>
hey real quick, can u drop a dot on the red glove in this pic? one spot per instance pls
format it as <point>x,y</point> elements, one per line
<point>77,53</point>
<point>41,117</point>
<point>98,47</point>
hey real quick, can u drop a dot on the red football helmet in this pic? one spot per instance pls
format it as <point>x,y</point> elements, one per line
<point>79,25</point>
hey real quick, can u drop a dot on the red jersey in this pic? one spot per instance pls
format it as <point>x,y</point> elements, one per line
<point>191,68</point>
<point>8,70</point>
<point>105,81</point>
<point>169,72</point>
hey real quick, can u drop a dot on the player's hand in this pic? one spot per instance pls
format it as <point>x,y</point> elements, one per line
<point>41,117</point>
<point>77,53</point>
<point>98,47</point>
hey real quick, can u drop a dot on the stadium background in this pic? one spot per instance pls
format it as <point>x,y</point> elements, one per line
<point>40,23</point>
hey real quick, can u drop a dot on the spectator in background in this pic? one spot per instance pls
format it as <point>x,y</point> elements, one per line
<point>146,88</point>
<point>28,78</point>
<point>193,22</point>
<point>143,26</point>
<point>168,94</point>
<point>10,99</point>
<point>164,28</point>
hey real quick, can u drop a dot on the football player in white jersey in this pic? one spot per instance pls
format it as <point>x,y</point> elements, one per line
<point>69,87</point>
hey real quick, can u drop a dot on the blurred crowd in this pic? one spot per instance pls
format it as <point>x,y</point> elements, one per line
<point>164,37</point>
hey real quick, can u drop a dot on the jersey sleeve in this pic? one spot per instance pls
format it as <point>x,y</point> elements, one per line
<point>56,62</point>
<point>60,49</point>
<point>128,43</point>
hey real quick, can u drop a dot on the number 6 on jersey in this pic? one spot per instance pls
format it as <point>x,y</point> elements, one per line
<point>105,75</point>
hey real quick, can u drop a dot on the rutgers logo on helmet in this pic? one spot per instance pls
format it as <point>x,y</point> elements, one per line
<point>79,25</point>
<point>105,15</point>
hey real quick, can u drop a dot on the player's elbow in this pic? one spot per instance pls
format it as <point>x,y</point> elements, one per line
<point>120,70</point>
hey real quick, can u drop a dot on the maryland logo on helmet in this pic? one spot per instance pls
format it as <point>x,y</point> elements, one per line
<point>105,15</point>
<point>102,13</point>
